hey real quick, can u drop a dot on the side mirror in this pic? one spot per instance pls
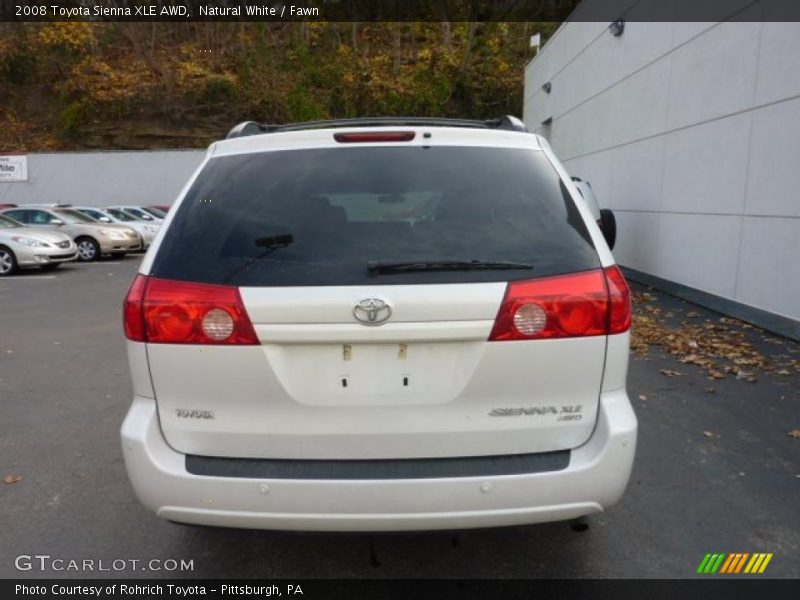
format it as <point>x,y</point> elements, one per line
<point>608,224</point>
<point>58,222</point>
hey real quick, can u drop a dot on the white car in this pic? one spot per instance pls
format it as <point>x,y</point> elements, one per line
<point>379,324</point>
<point>23,247</point>
<point>147,230</point>
<point>138,212</point>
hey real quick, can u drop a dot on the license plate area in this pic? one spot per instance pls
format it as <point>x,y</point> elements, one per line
<point>377,374</point>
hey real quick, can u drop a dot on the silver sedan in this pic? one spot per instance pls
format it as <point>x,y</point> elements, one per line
<point>22,247</point>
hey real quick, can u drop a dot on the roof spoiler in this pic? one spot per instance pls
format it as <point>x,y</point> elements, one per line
<point>506,122</point>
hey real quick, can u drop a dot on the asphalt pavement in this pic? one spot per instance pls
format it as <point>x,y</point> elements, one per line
<point>716,467</point>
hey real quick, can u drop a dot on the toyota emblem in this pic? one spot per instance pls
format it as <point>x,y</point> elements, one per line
<point>372,311</point>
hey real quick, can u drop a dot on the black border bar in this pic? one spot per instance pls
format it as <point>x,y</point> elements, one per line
<point>366,11</point>
<point>418,589</point>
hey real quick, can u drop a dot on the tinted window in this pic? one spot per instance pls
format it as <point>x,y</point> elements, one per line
<point>39,217</point>
<point>120,215</point>
<point>139,213</point>
<point>319,217</point>
<point>74,216</point>
<point>19,215</point>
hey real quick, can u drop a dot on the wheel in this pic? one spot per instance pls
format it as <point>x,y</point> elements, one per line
<point>609,222</point>
<point>88,249</point>
<point>8,262</point>
<point>50,267</point>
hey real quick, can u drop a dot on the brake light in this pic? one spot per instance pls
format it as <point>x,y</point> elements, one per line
<point>576,305</point>
<point>374,136</point>
<point>132,316</point>
<point>619,295</point>
<point>162,311</point>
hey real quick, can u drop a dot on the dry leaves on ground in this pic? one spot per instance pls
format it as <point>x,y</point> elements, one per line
<point>720,347</point>
<point>12,479</point>
<point>795,433</point>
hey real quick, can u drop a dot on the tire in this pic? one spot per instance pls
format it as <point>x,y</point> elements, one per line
<point>609,226</point>
<point>50,267</point>
<point>8,262</point>
<point>88,249</point>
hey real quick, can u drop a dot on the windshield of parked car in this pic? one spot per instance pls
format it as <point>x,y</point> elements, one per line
<point>155,211</point>
<point>121,215</point>
<point>73,216</point>
<point>93,213</point>
<point>139,213</point>
<point>9,223</point>
<point>337,211</point>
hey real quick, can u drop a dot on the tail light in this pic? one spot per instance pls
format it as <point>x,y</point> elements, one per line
<point>160,311</point>
<point>619,296</point>
<point>575,305</point>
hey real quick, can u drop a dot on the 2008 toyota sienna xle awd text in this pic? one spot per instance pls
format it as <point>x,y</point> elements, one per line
<point>379,324</point>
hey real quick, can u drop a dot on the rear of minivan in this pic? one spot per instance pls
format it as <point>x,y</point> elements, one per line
<point>379,328</point>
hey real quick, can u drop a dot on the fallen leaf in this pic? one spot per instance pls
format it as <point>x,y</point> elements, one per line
<point>716,375</point>
<point>710,434</point>
<point>642,396</point>
<point>795,433</point>
<point>12,479</point>
<point>670,373</point>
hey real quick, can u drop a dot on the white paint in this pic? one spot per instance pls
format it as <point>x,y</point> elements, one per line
<point>594,480</point>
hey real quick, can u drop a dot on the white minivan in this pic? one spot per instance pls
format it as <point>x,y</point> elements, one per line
<point>379,324</point>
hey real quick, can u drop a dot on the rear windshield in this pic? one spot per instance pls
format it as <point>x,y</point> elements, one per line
<point>323,216</point>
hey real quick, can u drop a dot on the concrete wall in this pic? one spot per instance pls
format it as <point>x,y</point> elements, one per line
<point>691,133</point>
<point>103,178</point>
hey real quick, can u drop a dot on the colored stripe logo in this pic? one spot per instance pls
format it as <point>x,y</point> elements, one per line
<point>737,562</point>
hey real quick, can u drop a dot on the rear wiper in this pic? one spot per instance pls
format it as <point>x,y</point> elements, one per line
<point>269,244</point>
<point>386,268</point>
<point>274,241</point>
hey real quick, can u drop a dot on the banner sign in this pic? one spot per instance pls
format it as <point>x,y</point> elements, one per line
<point>14,168</point>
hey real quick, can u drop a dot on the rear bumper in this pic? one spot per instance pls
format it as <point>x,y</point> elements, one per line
<point>595,479</point>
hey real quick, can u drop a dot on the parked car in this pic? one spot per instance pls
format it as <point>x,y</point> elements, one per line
<point>147,230</point>
<point>605,218</point>
<point>24,247</point>
<point>159,211</point>
<point>138,212</point>
<point>93,239</point>
<point>379,324</point>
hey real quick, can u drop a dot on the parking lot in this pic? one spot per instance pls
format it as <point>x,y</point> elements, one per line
<point>717,468</point>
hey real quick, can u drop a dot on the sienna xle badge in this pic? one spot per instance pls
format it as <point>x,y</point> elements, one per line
<point>379,324</point>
